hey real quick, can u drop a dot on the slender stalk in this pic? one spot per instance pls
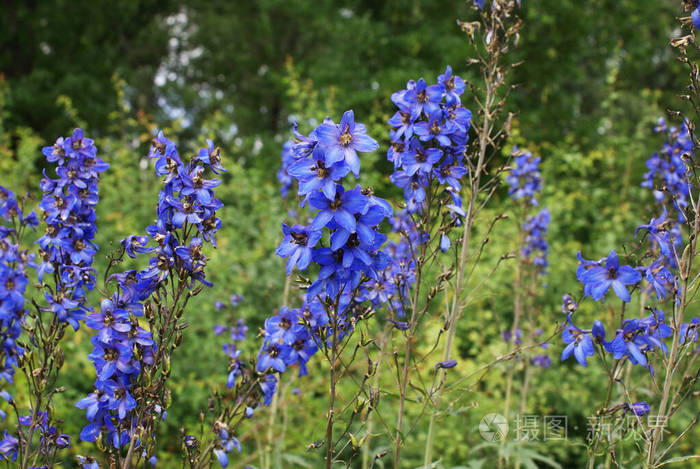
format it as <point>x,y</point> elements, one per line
<point>455,310</point>
<point>657,433</point>
<point>331,401</point>
<point>406,365</point>
<point>517,313</point>
<point>366,447</point>
<point>608,395</point>
<point>271,448</point>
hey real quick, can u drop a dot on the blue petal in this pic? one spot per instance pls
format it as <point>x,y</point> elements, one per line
<point>344,219</point>
<point>621,290</point>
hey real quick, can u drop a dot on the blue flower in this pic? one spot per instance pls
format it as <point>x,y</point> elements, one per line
<point>340,210</point>
<point>342,142</point>
<point>637,408</point>
<point>660,278</point>
<point>434,128</point>
<point>297,245</point>
<point>453,84</point>
<point>446,364</point>
<point>628,342</point>
<point>524,178</point>
<point>211,156</point>
<point>579,343</point>
<point>225,444</point>
<point>423,98</point>
<point>690,330</point>
<point>313,174</point>
<point>542,360</point>
<point>600,279</point>
<point>420,160</point>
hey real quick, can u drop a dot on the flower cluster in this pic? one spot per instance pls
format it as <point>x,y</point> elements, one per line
<point>668,178</point>
<point>342,240</point>
<point>668,175</point>
<point>393,285</point>
<point>536,245</point>
<point>283,176</point>
<point>291,337</point>
<point>633,341</point>
<point>49,437</point>
<point>349,217</point>
<point>429,139</point>
<point>237,334</point>
<point>524,179</point>
<point>186,221</point>
<point>68,203</point>
<point>225,444</point>
<point>13,281</point>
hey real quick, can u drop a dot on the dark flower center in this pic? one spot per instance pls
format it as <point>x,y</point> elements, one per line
<point>10,284</point>
<point>298,344</point>
<point>171,166</point>
<point>58,150</point>
<point>405,117</point>
<point>79,245</point>
<point>450,83</point>
<point>196,252</point>
<point>435,128</point>
<point>299,238</point>
<point>163,263</point>
<point>336,204</point>
<point>321,170</point>
<point>187,205</point>
<point>353,241</point>
<point>285,323</point>
<point>422,97</point>
<point>345,137</point>
<point>612,273</point>
<point>215,155</point>
<point>210,223</point>
<point>110,354</point>
<point>420,156</point>
<point>160,147</point>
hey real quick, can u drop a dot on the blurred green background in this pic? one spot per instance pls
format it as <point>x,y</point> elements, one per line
<point>595,77</point>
